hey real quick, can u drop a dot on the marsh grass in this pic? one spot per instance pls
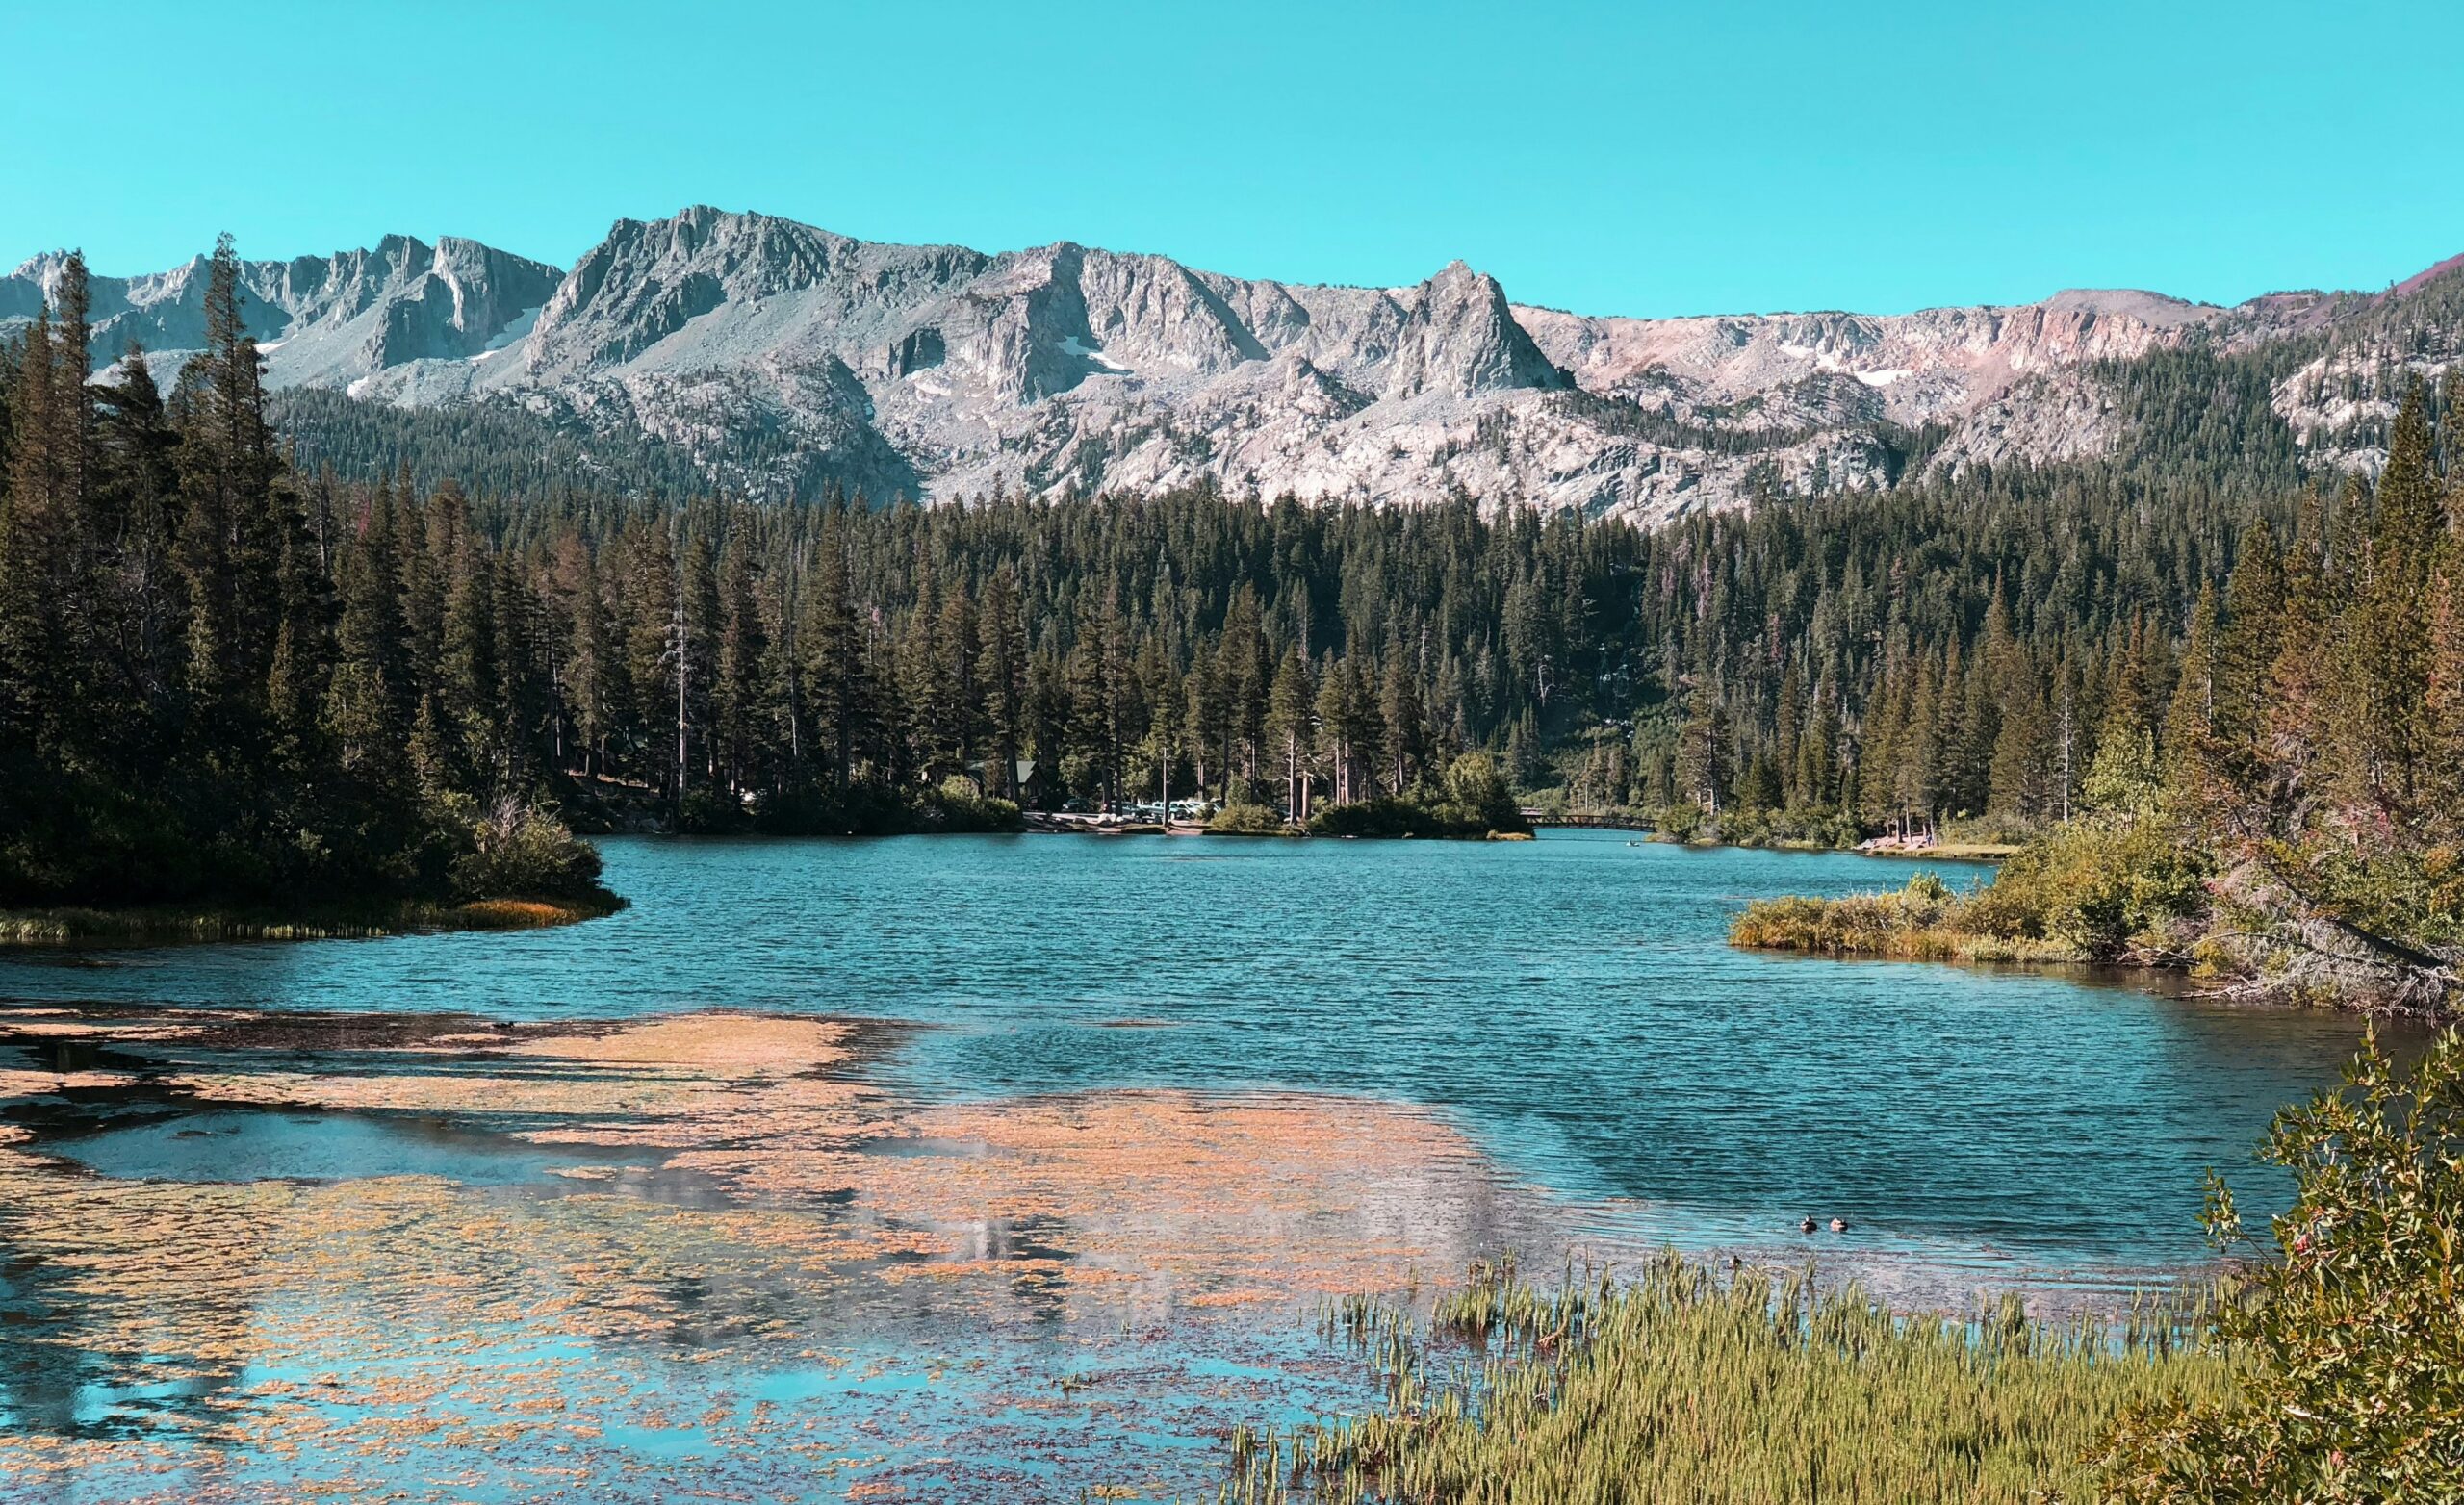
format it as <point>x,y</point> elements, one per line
<point>54,927</point>
<point>1917,923</point>
<point>2120,888</point>
<point>1677,1385</point>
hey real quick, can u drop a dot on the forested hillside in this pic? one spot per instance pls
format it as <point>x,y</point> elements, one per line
<point>184,714</point>
<point>1934,652</point>
<point>2277,803</point>
<point>222,673</point>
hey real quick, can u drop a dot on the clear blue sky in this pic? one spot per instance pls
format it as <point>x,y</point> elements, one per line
<point>1648,158</point>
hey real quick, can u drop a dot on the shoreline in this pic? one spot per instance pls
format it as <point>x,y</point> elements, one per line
<point>1973,852</point>
<point>1861,927</point>
<point>71,925</point>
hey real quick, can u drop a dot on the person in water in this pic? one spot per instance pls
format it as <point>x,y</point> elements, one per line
<point>1840,1225</point>
<point>1806,1227</point>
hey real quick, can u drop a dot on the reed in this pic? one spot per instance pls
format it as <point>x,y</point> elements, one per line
<point>1679,1385</point>
<point>1922,922</point>
<point>54,927</point>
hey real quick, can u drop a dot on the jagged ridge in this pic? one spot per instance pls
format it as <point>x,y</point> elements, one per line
<point>775,356</point>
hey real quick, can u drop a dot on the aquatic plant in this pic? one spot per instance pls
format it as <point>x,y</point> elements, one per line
<point>2095,890</point>
<point>1680,1384</point>
<point>1922,922</point>
<point>154,923</point>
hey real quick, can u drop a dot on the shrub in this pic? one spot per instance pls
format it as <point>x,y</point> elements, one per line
<point>1383,816</point>
<point>1679,822</point>
<point>1249,820</point>
<point>708,811</point>
<point>2101,887</point>
<point>1478,797</point>
<point>1474,801</point>
<point>957,805</point>
<point>2353,1321</point>
<point>519,850</point>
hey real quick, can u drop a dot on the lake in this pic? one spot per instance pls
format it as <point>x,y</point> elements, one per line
<point>953,1159</point>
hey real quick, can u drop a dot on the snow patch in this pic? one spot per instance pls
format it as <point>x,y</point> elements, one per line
<point>1883,378</point>
<point>1070,346</point>
<point>520,325</point>
<point>1823,360</point>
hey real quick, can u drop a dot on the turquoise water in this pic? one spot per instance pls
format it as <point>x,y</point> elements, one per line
<point>1569,1002</point>
<point>272,1146</point>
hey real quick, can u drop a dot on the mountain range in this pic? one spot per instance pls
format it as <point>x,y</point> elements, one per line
<point>766,357</point>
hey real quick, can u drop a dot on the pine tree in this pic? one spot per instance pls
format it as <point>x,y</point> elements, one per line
<point>1001,655</point>
<point>467,713</point>
<point>2442,700</point>
<point>2297,681</point>
<point>594,694</point>
<point>1405,720</point>
<point>2252,638</point>
<point>2188,761</point>
<point>362,708</point>
<point>1290,707</point>
<point>1704,751</point>
<point>739,698</point>
<point>836,674</point>
<point>138,506</point>
<point>33,548</point>
<point>2386,658</point>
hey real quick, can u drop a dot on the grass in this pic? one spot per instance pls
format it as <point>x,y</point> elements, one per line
<point>1919,923</point>
<point>1679,1385</point>
<point>2123,889</point>
<point>65,926</point>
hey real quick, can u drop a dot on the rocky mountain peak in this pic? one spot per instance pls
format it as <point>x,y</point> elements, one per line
<point>775,356</point>
<point>2155,310</point>
<point>1460,339</point>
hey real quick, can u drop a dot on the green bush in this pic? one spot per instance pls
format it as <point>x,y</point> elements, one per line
<point>1383,816</point>
<point>708,811</point>
<point>519,850</point>
<point>1249,820</point>
<point>957,805</point>
<point>2103,887</point>
<point>1681,822</point>
<point>1479,799</point>
<point>2100,889</point>
<point>817,809</point>
<point>2353,1321</point>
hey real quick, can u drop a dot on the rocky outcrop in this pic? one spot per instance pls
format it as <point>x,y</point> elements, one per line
<point>1460,339</point>
<point>772,354</point>
<point>321,321</point>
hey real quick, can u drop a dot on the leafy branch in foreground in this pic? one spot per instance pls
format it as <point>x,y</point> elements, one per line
<point>2352,1325</point>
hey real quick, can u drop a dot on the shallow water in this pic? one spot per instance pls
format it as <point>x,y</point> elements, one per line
<point>1570,1002</point>
<point>1132,1105</point>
